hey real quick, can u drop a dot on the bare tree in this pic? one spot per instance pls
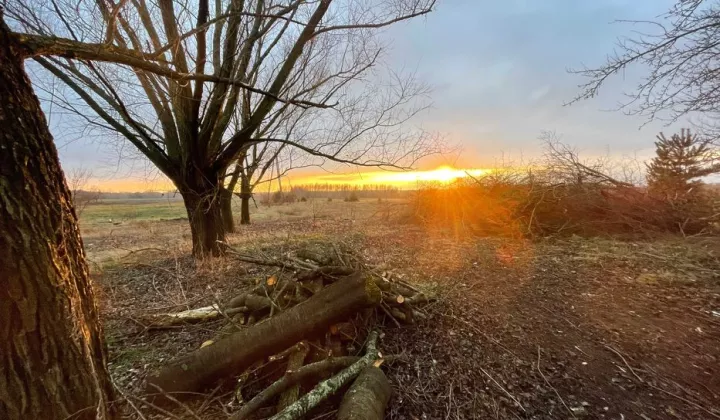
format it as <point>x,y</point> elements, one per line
<point>562,164</point>
<point>78,180</point>
<point>681,52</point>
<point>173,77</point>
<point>52,356</point>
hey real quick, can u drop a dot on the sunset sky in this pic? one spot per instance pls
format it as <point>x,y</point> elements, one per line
<point>499,76</point>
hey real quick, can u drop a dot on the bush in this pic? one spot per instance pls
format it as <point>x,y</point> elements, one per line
<point>570,196</point>
<point>537,205</point>
<point>303,199</point>
<point>352,198</point>
<point>279,197</point>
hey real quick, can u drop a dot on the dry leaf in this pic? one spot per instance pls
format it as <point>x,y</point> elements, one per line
<point>271,280</point>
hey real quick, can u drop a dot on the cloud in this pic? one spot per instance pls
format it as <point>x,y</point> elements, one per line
<point>499,72</point>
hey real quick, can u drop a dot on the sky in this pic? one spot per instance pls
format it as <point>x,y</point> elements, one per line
<point>498,73</point>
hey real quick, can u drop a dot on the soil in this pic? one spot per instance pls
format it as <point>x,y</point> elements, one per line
<point>555,329</point>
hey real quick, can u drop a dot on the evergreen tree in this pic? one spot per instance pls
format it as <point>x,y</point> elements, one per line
<point>680,161</point>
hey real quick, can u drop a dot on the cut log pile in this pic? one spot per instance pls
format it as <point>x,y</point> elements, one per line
<point>299,333</point>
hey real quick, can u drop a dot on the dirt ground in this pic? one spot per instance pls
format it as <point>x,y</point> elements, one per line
<point>560,328</point>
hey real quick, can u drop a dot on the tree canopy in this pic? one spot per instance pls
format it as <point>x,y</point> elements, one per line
<point>194,85</point>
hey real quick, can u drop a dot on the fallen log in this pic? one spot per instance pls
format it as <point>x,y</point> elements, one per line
<point>295,362</point>
<point>190,316</point>
<point>324,389</point>
<point>367,398</point>
<point>328,271</point>
<point>319,258</point>
<point>234,353</point>
<point>291,379</point>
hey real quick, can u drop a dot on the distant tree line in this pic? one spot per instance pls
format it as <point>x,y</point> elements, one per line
<point>303,192</point>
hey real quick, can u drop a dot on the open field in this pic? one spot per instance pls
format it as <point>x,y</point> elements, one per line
<point>557,328</point>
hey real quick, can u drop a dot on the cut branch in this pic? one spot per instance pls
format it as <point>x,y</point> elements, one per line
<point>332,385</point>
<point>367,398</point>
<point>238,351</point>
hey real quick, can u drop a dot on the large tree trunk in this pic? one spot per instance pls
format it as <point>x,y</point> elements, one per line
<point>233,354</point>
<point>52,362</point>
<point>201,195</point>
<point>226,209</point>
<point>245,196</point>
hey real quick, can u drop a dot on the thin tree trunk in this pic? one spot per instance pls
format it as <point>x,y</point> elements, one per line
<point>203,205</point>
<point>226,209</point>
<point>245,196</point>
<point>52,361</point>
<point>245,209</point>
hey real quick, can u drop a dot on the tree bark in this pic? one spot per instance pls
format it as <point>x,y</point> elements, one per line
<point>296,360</point>
<point>326,388</point>
<point>52,361</point>
<point>235,353</point>
<point>367,398</point>
<point>201,194</point>
<point>226,209</point>
<point>290,379</point>
<point>245,196</point>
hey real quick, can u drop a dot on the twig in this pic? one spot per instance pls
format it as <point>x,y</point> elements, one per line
<point>258,261</point>
<point>382,306</point>
<point>130,251</point>
<point>339,254</point>
<point>694,404</point>
<point>512,397</point>
<point>175,400</point>
<point>160,409</point>
<point>127,398</point>
<point>626,362</point>
<point>685,400</point>
<point>572,413</point>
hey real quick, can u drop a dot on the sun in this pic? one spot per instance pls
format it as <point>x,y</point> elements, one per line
<point>445,174</point>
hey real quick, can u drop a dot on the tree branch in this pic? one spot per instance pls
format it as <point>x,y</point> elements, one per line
<point>37,45</point>
<point>422,12</point>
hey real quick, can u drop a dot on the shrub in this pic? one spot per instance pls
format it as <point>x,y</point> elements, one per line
<point>565,198</point>
<point>279,197</point>
<point>352,198</point>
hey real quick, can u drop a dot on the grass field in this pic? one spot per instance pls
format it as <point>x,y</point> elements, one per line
<point>112,228</point>
<point>123,211</point>
<point>554,328</point>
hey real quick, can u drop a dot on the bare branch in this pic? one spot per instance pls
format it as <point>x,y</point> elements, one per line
<point>681,52</point>
<point>36,46</point>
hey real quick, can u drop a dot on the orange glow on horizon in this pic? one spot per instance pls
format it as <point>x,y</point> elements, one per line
<point>443,174</point>
<point>402,180</point>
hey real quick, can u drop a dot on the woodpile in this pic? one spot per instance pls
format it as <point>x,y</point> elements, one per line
<point>308,322</point>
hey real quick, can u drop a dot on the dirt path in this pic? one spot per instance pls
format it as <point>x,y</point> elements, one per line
<point>565,329</point>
